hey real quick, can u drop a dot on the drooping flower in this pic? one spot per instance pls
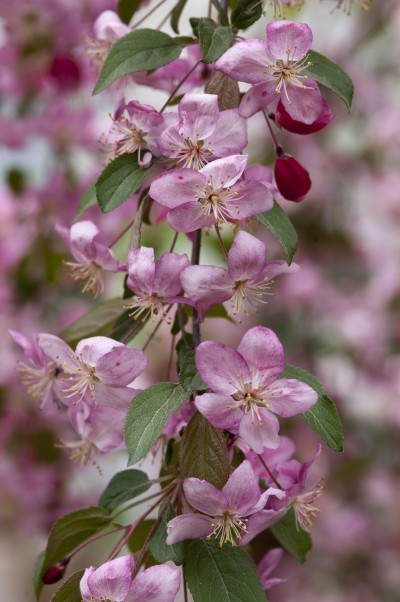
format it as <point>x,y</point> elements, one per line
<point>113,581</point>
<point>247,390</point>
<point>267,565</point>
<point>91,256</point>
<point>155,283</point>
<point>276,69</point>
<point>246,281</point>
<point>213,195</point>
<point>222,514</point>
<point>99,371</point>
<point>283,119</point>
<point>292,179</point>
<point>202,132</point>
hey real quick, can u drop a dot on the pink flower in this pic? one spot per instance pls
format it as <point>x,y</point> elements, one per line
<point>203,133</point>
<point>275,69</point>
<point>291,178</point>
<point>113,581</point>
<point>247,391</point>
<point>223,512</point>
<point>213,195</point>
<point>267,565</point>
<point>91,256</point>
<point>283,119</point>
<point>100,369</point>
<point>246,281</point>
<point>155,283</point>
<point>107,28</point>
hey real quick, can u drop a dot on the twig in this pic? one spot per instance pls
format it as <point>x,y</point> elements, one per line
<point>221,242</point>
<point>175,90</point>
<point>195,261</point>
<point>269,472</point>
<point>153,10</point>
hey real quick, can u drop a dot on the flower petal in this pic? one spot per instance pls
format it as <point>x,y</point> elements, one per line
<point>242,489</point>
<point>246,257</point>
<point>258,97</point>
<point>83,585</point>
<point>220,410</point>
<point>156,584</point>
<point>121,366</point>
<point>303,104</point>
<point>246,61</point>
<point>263,351</point>
<point>230,134</point>
<point>198,115</point>
<point>288,40</point>
<point>57,349</point>
<point>207,285</point>
<point>259,522</point>
<point>178,186</point>
<point>189,217</point>
<point>113,579</point>
<point>203,496</point>
<point>167,282</point>
<point>221,367</point>
<point>258,435</point>
<point>141,270</point>
<point>288,397</point>
<point>223,173</point>
<point>188,526</point>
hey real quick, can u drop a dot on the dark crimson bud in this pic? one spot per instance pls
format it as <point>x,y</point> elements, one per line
<point>56,572</point>
<point>292,180</point>
<point>65,73</point>
<point>283,119</point>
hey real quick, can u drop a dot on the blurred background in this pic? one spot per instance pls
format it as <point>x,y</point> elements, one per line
<point>338,317</point>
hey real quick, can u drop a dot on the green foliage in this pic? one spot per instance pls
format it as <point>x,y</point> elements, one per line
<point>37,573</point>
<point>225,574</point>
<point>323,417</point>
<point>69,591</point>
<point>296,541</point>
<point>121,178</point>
<point>188,375</point>
<point>214,40</point>
<point>140,50</point>
<point>147,415</point>
<point>97,321</point>
<point>204,453</point>
<point>127,8</point>
<point>332,76</point>
<point>222,14</point>
<point>88,199</point>
<point>282,228</point>
<point>245,13</point>
<point>159,549</point>
<point>176,15</point>
<point>124,486</point>
<point>136,541</point>
<point>226,89</point>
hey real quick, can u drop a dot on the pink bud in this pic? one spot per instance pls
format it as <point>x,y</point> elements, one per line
<point>283,119</point>
<point>292,180</point>
<point>65,73</point>
<point>56,572</point>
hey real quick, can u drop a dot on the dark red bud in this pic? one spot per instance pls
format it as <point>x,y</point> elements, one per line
<point>56,572</point>
<point>292,180</point>
<point>65,72</point>
<point>283,119</point>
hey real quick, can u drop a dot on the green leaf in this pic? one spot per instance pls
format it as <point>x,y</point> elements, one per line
<point>147,415</point>
<point>37,574</point>
<point>332,76</point>
<point>121,178</point>
<point>88,199</point>
<point>245,13</point>
<point>176,15</point>
<point>219,311</point>
<point>124,486</point>
<point>214,40</point>
<point>188,375</point>
<point>224,574</point>
<point>194,23</point>
<point>140,50</point>
<point>282,228</point>
<point>222,14</point>
<point>135,543</point>
<point>70,531</point>
<point>323,417</point>
<point>204,452</point>
<point>96,321</point>
<point>297,542</point>
<point>127,8</point>
<point>159,549</point>
<point>69,591</point>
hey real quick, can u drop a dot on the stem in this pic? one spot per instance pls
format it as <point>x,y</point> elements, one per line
<point>269,472</point>
<point>278,148</point>
<point>148,14</point>
<point>95,538</point>
<point>221,242</point>
<point>144,499</point>
<point>195,261</point>
<point>175,90</point>
<point>136,232</point>
<point>146,544</point>
<point>185,591</point>
<point>124,231</point>
<point>174,242</point>
<point>156,328</point>
<point>165,19</point>
<point>131,332</point>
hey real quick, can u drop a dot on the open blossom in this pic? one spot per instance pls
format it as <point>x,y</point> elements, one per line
<point>246,281</point>
<point>267,565</point>
<point>213,195</point>
<point>222,513</point>
<point>155,283</point>
<point>247,390</point>
<point>113,581</point>
<point>107,29</point>
<point>275,68</point>
<point>99,371</point>
<point>91,256</point>
<point>202,132</point>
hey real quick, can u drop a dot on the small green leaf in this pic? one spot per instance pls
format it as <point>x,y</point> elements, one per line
<point>245,13</point>
<point>323,417</point>
<point>124,486</point>
<point>96,321</point>
<point>147,415</point>
<point>282,228</point>
<point>135,543</point>
<point>331,75</point>
<point>176,15</point>
<point>88,199</point>
<point>204,452</point>
<point>140,50</point>
<point>70,590</point>
<point>121,178</point>
<point>37,574</point>
<point>159,549</point>
<point>214,40</point>
<point>188,375</point>
<point>219,311</point>
<point>194,23</point>
<point>297,542</point>
<point>127,8</point>
<point>224,574</point>
<point>222,14</point>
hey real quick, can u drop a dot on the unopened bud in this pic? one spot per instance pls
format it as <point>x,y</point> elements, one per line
<point>283,119</point>
<point>292,180</point>
<point>55,572</point>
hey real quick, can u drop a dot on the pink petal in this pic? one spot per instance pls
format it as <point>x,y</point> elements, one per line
<point>112,580</point>
<point>92,349</point>
<point>303,104</point>
<point>167,281</point>
<point>121,366</point>
<point>156,584</point>
<point>246,61</point>
<point>83,585</point>
<point>141,270</point>
<point>260,522</point>
<point>189,217</point>
<point>278,267</point>
<point>178,186</point>
<point>297,127</point>
<point>262,350</point>
<point>253,198</point>
<point>112,396</point>
<point>288,397</point>
<point>203,496</point>
<point>288,40</point>
<point>198,115</point>
<point>188,526</point>
<point>82,235</point>
<point>207,285</point>
<point>259,436</point>
<point>269,562</point>
<point>242,489</point>
<point>257,98</point>
<point>223,173</point>
<point>57,350</point>
<point>222,368</point>
<point>246,257</point>
<point>220,411</point>
<point>230,134</point>
<point>100,425</point>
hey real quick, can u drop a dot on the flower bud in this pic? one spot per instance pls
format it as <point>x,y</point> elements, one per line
<point>283,119</point>
<point>56,572</point>
<point>292,180</point>
<point>65,73</point>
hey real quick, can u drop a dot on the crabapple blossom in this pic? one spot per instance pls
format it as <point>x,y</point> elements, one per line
<point>99,371</point>
<point>213,195</point>
<point>91,256</point>
<point>107,29</point>
<point>202,132</point>
<point>222,513</point>
<point>267,565</point>
<point>246,389</point>
<point>276,69</point>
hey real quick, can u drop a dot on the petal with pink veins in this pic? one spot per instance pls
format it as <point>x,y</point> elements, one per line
<point>252,197</point>
<point>198,115</point>
<point>188,526</point>
<point>288,40</point>
<point>189,217</point>
<point>206,285</point>
<point>220,410</point>
<point>242,489</point>
<point>246,257</point>
<point>57,350</point>
<point>121,366</point>
<point>262,350</point>
<point>303,104</point>
<point>230,134</point>
<point>141,270</point>
<point>204,497</point>
<point>260,435</point>
<point>221,367</point>
<point>167,281</point>
<point>223,173</point>
<point>112,580</point>
<point>156,584</point>
<point>257,98</point>
<point>178,186</point>
<point>246,61</point>
<point>288,397</point>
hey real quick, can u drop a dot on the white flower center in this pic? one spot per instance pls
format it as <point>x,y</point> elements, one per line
<point>90,272</point>
<point>192,154</point>
<point>228,527</point>
<point>247,295</point>
<point>287,72</point>
<point>38,380</point>
<point>81,379</point>
<point>304,508</point>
